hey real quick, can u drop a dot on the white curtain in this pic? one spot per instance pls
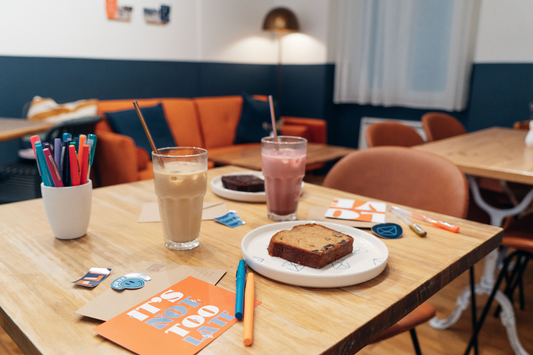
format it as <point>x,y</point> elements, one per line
<point>411,53</point>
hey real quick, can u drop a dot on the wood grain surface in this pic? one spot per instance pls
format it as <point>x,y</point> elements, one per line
<point>498,153</point>
<point>38,300</point>
<point>11,128</point>
<point>251,158</point>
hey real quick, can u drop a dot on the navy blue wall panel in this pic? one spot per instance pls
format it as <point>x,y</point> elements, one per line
<point>218,79</point>
<point>65,80</point>
<point>499,93</point>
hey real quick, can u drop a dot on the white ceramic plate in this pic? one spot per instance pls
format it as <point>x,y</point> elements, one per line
<point>368,259</point>
<point>218,189</point>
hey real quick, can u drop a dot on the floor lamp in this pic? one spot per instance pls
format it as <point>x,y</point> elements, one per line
<point>280,20</point>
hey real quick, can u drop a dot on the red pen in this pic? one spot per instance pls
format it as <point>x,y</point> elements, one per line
<point>53,168</point>
<point>74,168</point>
<point>84,162</point>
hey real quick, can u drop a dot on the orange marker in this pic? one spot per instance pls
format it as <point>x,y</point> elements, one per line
<point>84,162</point>
<point>249,300</point>
<point>441,224</point>
<point>74,168</point>
<point>81,141</point>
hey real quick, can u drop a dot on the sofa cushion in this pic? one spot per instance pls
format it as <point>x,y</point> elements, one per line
<point>255,122</point>
<point>219,117</point>
<point>46,109</point>
<point>128,123</point>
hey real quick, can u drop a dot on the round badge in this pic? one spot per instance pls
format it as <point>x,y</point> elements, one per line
<point>388,230</point>
<point>130,281</point>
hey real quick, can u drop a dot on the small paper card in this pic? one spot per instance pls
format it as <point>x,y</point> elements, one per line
<point>181,319</point>
<point>355,210</point>
<point>93,277</point>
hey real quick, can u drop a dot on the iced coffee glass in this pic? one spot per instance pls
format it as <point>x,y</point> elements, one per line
<point>283,166</point>
<point>180,179</point>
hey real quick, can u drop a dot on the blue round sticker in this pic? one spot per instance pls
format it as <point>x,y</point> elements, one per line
<point>130,281</point>
<point>388,230</point>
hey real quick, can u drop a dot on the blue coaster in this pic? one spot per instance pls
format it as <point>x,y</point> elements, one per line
<point>388,230</point>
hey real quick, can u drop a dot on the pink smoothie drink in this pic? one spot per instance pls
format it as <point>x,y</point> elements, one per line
<point>284,170</point>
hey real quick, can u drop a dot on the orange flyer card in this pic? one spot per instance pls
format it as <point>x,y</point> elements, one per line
<point>355,210</point>
<point>181,319</point>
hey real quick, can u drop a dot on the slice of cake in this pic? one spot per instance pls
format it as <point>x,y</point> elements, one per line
<point>245,183</point>
<point>310,244</point>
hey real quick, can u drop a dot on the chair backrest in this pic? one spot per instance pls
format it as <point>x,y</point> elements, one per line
<point>392,134</point>
<point>404,176</point>
<point>76,126</point>
<point>439,125</point>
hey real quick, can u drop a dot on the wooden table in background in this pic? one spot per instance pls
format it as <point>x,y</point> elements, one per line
<point>251,158</point>
<point>11,128</point>
<point>497,153</point>
<point>38,300</point>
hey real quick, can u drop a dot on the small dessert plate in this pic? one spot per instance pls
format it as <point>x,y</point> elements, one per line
<point>367,260</point>
<point>218,189</point>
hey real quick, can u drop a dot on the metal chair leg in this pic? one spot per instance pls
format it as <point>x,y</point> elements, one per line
<point>414,338</point>
<point>491,298</point>
<point>473,301</point>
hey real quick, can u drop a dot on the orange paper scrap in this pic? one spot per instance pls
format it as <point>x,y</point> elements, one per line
<point>355,210</point>
<point>181,319</point>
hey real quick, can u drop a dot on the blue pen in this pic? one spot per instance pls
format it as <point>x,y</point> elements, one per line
<point>41,160</point>
<point>66,136</point>
<point>57,153</point>
<point>77,141</point>
<point>239,293</point>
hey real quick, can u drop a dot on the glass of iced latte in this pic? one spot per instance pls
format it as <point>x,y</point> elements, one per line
<point>283,166</point>
<point>180,178</point>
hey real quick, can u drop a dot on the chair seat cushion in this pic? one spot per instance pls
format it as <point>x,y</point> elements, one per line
<point>519,234</point>
<point>419,315</point>
<point>127,122</point>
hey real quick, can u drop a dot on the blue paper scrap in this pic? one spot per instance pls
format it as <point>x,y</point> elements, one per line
<point>230,219</point>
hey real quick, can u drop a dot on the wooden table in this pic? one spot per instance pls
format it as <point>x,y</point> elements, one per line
<point>38,300</point>
<point>251,158</point>
<point>11,128</point>
<point>498,153</point>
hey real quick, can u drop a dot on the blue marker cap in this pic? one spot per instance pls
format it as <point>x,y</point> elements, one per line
<point>239,293</point>
<point>92,143</point>
<point>41,160</point>
<point>66,136</point>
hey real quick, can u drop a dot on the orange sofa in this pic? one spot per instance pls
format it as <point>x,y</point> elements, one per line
<point>206,122</point>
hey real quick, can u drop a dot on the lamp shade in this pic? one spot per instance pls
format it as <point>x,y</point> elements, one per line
<point>280,19</point>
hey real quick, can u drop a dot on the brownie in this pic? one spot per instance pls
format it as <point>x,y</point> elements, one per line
<point>245,183</point>
<point>311,245</point>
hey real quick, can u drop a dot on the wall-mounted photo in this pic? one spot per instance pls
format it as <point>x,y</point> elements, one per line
<point>157,16</point>
<point>118,13</point>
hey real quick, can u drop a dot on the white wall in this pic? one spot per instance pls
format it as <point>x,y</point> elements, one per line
<point>505,32</point>
<point>220,31</point>
<point>199,30</point>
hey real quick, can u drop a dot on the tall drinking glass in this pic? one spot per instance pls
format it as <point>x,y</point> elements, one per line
<point>283,165</point>
<point>180,178</point>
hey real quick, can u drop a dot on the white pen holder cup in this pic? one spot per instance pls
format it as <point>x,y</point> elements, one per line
<point>68,209</point>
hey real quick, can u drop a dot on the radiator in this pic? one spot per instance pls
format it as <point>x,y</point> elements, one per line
<point>367,121</point>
